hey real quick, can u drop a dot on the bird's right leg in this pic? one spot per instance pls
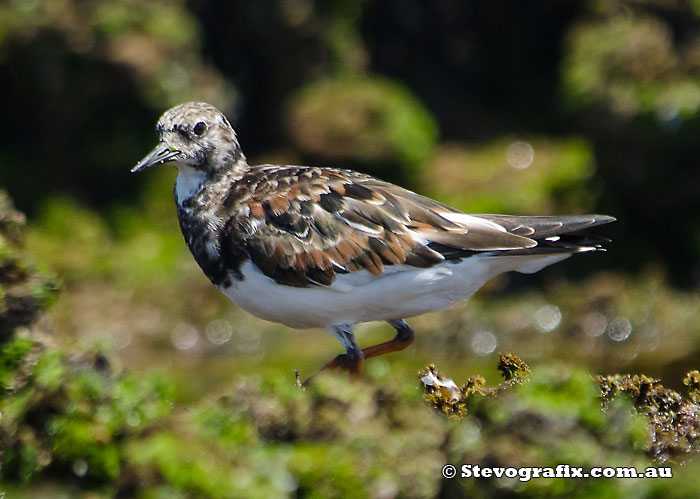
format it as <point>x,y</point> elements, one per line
<point>404,337</point>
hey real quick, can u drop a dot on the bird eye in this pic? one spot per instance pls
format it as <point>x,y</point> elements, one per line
<point>200,128</point>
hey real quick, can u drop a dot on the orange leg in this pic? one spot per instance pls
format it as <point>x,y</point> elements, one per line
<point>404,337</point>
<point>353,360</point>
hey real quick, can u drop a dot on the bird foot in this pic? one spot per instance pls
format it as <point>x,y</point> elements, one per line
<point>343,362</point>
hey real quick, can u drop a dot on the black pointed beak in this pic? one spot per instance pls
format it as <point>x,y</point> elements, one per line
<point>159,155</point>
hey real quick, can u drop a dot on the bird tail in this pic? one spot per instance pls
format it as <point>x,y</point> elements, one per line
<point>557,238</point>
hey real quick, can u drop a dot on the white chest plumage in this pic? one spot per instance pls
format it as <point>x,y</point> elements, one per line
<point>188,182</point>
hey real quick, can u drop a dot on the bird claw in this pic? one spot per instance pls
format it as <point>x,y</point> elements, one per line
<point>343,362</point>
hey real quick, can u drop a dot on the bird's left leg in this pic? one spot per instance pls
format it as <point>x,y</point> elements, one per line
<point>353,360</point>
<point>354,357</point>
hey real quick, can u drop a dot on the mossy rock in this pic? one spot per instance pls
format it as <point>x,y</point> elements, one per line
<point>24,289</point>
<point>633,64</point>
<point>72,420</point>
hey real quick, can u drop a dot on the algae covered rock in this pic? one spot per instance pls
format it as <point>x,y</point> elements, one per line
<point>24,289</point>
<point>674,420</point>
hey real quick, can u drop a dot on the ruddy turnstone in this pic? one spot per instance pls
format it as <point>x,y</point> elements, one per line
<point>309,247</point>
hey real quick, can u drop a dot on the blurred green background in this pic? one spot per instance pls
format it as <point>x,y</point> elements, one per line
<point>514,107</point>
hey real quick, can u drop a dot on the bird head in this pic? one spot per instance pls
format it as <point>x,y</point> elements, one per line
<point>195,135</point>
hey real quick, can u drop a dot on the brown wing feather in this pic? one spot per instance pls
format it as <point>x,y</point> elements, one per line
<point>302,226</point>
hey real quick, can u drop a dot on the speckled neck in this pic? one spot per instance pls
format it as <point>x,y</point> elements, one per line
<point>205,228</point>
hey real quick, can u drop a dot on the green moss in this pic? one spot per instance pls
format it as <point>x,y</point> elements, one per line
<point>113,430</point>
<point>71,411</point>
<point>184,463</point>
<point>552,419</point>
<point>78,437</point>
<point>50,370</point>
<point>12,357</point>
<point>24,288</point>
<point>127,249</point>
<point>631,65</point>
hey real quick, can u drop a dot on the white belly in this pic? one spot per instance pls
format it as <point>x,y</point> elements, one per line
<point>400,292</point>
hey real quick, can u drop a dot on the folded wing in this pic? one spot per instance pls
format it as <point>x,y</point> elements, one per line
<point>303,226</point>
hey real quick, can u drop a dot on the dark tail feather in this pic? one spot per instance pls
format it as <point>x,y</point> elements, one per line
<point>566,243</point>
<point>541,227</point>
<point>553,235</point>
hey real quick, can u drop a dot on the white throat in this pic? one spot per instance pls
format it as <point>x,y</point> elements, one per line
<point>188,182</point>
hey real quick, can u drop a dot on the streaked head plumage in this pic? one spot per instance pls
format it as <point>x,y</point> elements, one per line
<point>197,135</point>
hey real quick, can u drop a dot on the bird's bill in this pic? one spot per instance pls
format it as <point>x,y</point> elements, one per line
<point>159,155</point>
